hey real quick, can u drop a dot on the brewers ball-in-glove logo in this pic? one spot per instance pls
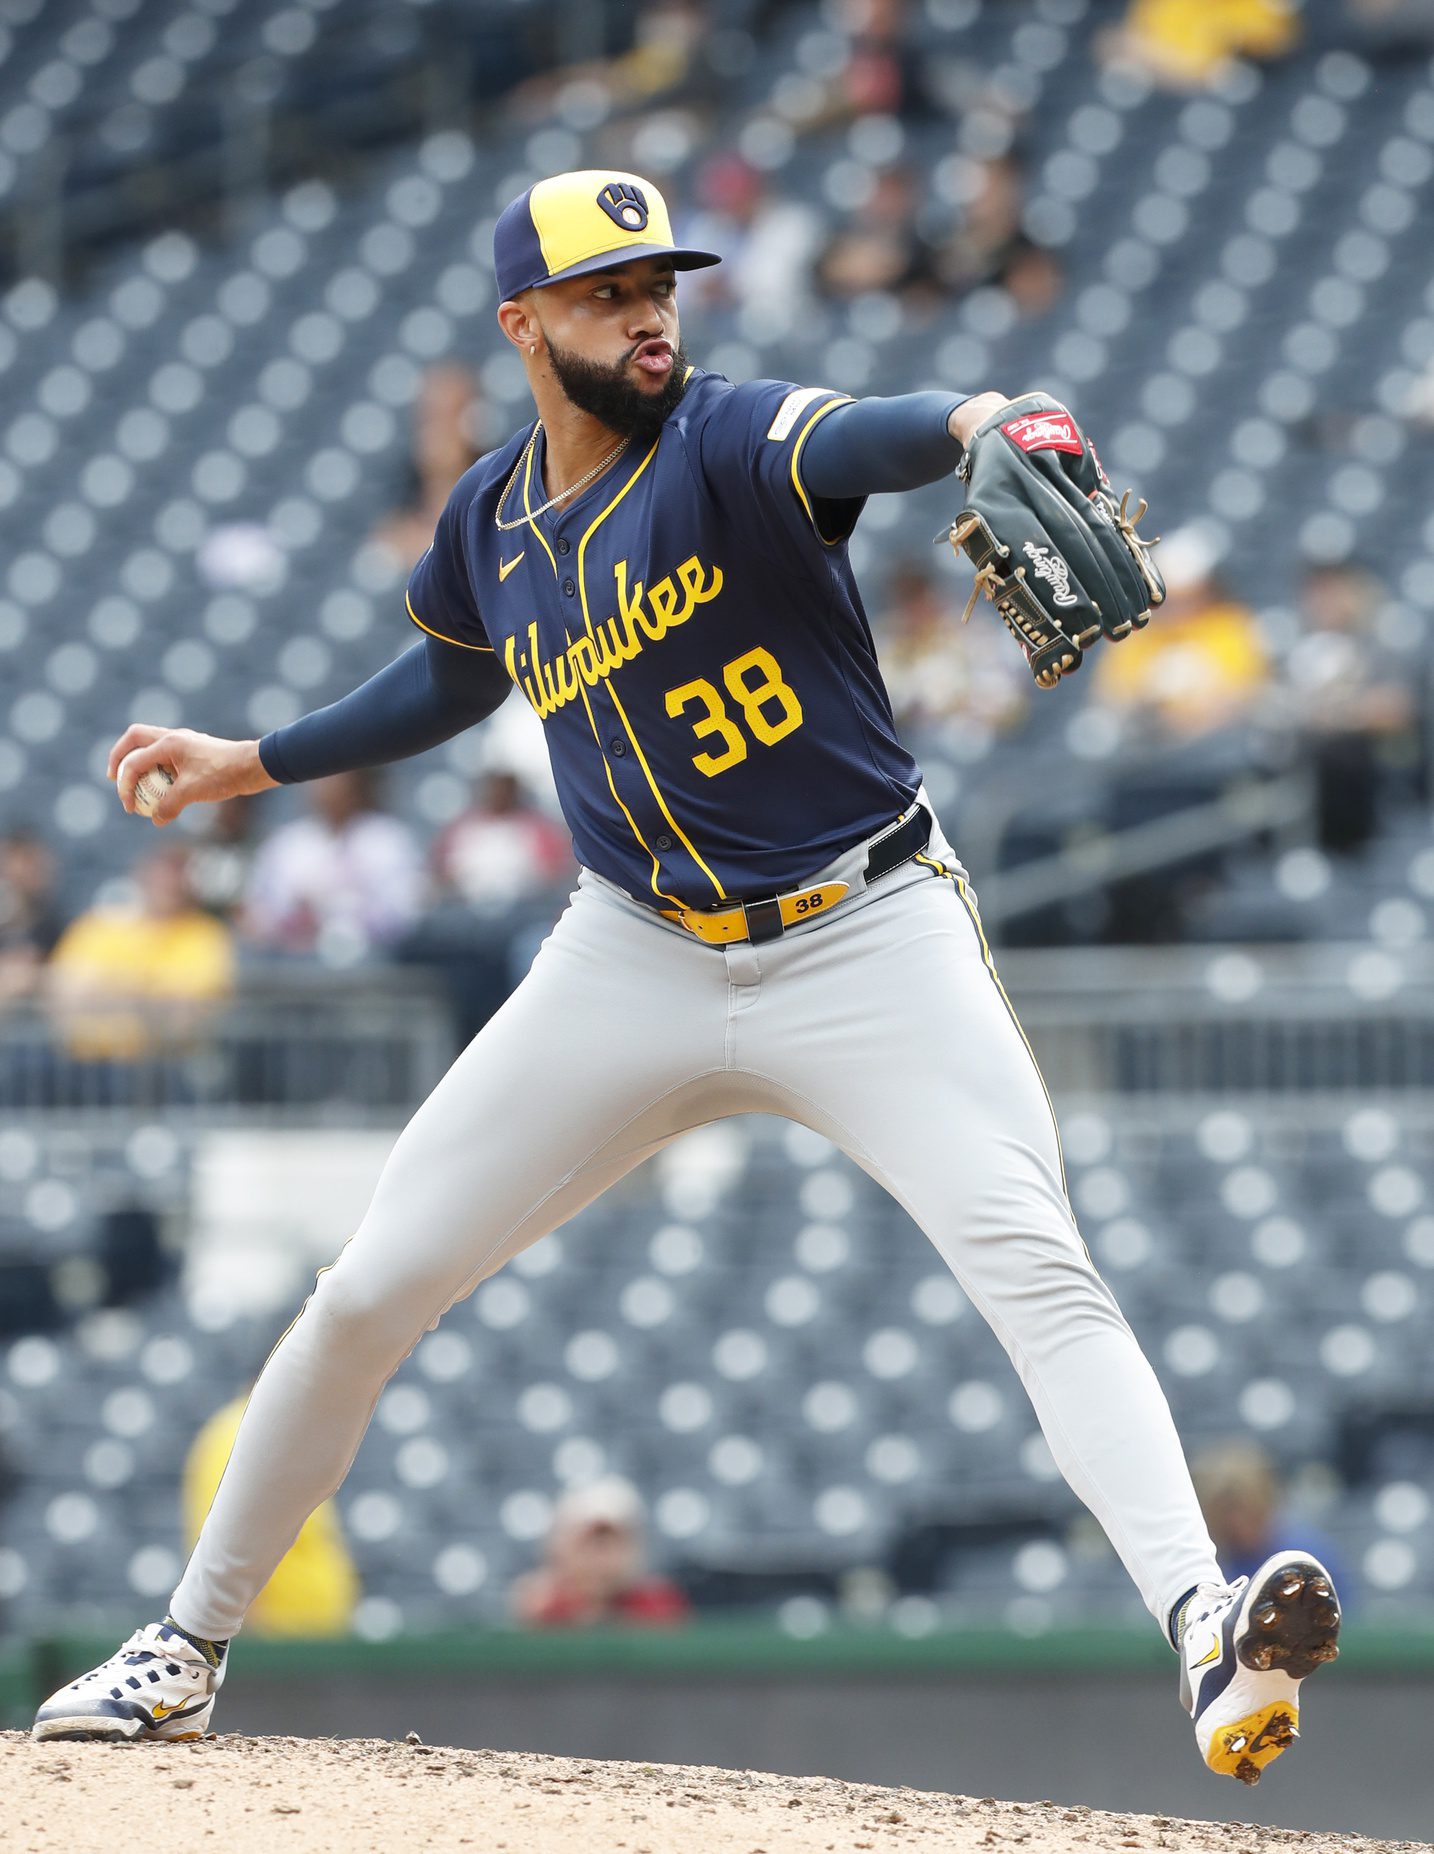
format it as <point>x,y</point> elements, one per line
<point>1053,549</point>
<point>625,205</point>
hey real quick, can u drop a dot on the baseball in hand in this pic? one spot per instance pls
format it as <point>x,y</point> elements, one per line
<point>150,787</point>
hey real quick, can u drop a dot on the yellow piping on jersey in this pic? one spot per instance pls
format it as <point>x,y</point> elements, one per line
<point>528,508</point>
<point>632,821</point>
<point>656,793</point>
<point>686,841</point>
<point>532,684</point>
<point>797,483</point>
<point>457,642</point>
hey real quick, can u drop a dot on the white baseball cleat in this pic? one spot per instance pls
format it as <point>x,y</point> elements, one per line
<point>1244,1652</point>
<point>157,1686</point>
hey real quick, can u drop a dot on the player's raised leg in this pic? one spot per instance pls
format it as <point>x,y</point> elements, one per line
<point>534,1119</point>
<point>967,1142</point>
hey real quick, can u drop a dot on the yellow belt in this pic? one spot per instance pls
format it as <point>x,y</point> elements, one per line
<point>720,926</point>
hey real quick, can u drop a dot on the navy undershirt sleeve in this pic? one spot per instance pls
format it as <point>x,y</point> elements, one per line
<point>432,692</point>
<point>874,446</point>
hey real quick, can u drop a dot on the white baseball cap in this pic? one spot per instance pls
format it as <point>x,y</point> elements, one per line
<point>610,1501</point>
<point>1189,554</point>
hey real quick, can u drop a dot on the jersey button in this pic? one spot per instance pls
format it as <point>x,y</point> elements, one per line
<point>569,587</point>
<point>617,748</point>
<point>662,843</point>
<point>563,544</point>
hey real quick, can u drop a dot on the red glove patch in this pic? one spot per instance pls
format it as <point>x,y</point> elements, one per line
<point>1044,431</point>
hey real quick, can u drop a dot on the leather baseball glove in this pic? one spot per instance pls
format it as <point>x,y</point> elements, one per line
<point>1053,549</point>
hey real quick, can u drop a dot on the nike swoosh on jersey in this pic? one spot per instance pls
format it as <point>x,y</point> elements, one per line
<point>505,567</point>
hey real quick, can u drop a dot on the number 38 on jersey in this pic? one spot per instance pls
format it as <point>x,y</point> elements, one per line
<point>768,707</point>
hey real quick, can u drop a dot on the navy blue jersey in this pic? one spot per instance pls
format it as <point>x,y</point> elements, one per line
<point>689,630</point>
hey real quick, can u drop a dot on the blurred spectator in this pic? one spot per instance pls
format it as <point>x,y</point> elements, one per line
<point>766,242</point>
<point>1031,275</point>
<point>500,873</point>
<point>989,245</point>
<point>1199,666</point>
<point>666,52</point>
<point>447,417</point>
<point>315,1588</point>
<point>883,73</point>
<point>29,913</point>
<point>341,883</point>
<point>1352,699</point>
<point>129,981</point>
<point>939,672</point>
<point>502,850</point>
<point>1190,47</point>
<point>594,1568</point>
<point>663,64</point>
<point>1391,28</point>
<point>879,247</point>
<point>1247,1513</point>
<point>221,857</point>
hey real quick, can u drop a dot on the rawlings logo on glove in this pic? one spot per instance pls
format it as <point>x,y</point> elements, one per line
<point>1040,432</point>
<point>1056,573</point>
<point>1053,550</point>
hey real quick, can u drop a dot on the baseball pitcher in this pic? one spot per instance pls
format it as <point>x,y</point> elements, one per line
<point>768,916</point>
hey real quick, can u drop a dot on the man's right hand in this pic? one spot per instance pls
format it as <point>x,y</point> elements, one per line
<point>205,768</point>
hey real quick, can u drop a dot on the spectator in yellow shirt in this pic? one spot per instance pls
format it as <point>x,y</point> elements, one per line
<point>1199,666</point>
<point>129,982</point>
<point>1188,44</point>
<point>315,1588</point>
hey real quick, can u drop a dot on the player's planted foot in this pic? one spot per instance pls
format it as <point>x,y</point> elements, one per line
<point>159,1685</point>
<point>1244,1651</point>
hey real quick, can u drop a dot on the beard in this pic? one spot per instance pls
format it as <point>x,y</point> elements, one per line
<point>606,391</point>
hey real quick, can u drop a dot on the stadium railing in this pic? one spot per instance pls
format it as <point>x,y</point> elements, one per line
<point>329,1047</point>
<point>1219,1020</point>
<point>1168,1023</point>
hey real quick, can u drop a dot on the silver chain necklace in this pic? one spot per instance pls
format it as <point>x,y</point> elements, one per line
<point>553,501</point>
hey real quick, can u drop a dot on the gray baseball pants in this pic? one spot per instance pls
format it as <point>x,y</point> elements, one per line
<point>882,1026</point>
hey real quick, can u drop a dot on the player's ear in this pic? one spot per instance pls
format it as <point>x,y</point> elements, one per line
<point>519,324</point>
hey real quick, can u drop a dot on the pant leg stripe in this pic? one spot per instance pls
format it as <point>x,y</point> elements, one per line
<point>990,964</point>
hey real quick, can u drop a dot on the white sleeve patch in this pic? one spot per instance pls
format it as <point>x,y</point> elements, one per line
<point>792,407</point>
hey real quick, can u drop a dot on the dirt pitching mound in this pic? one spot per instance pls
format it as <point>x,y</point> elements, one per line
<point>364,1796</point>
